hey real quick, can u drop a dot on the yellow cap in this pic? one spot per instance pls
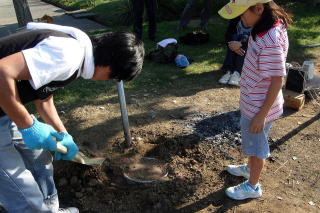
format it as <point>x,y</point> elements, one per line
<point>236,7</point>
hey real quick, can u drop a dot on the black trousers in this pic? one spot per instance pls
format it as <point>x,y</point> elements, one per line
<point>206,12</point>
<point>138,9</point>
<point>233,61</point>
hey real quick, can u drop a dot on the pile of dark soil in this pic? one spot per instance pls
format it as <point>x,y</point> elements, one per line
<point>192,159</point>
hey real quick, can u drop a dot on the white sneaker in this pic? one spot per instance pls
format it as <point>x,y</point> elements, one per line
<point>244,191</point>
<point>225,78</point>
<point>239,170</point>
<point>234,79</point>
<point>68,210</point>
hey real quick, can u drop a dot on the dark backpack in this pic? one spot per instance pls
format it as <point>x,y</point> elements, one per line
<point>164,55</point>
<point>296,80</point>
<point>195,38</point>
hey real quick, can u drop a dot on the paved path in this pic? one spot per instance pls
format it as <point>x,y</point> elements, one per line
<point>8,20</point>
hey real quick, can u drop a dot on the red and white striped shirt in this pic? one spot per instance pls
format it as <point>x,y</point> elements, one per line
<point>266,57</point>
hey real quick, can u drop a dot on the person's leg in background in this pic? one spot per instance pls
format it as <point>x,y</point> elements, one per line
<point>21,190</point>
<point>186,15</point>
<point>229,61</point>
<point>237,64</point>
<point>240,59</point>
<point>151,6</point>
<point>236,72</point>
<point>138,8</point>
<point>227,67</point>
<point>206,13</point>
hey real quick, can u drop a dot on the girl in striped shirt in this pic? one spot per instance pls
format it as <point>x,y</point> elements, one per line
<point>261,99</point>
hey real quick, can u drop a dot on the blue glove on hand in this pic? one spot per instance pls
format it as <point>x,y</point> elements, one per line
<point>39,136</point>
<point>66,140</point>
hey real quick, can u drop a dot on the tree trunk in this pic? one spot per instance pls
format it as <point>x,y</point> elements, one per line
<point>22,12</point>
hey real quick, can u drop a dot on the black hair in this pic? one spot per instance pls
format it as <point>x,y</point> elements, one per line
<point>122,51</point>
<point>271,13</point>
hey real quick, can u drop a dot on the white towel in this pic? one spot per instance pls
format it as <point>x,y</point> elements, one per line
<point>166,41</point>
<point>84,41</point>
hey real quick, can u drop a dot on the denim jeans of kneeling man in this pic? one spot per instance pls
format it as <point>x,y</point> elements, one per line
<point>26,176</point>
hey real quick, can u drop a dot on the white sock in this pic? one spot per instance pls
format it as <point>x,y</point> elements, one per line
<point>254,187</point>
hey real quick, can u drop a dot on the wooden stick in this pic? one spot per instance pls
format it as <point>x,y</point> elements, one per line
<point>280,166</point>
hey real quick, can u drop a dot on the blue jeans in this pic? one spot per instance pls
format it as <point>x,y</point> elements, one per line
<point>26,176</point>
<point>233,61</point>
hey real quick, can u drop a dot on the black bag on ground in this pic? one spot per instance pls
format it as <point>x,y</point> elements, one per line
<point>195,38</point>
<point>296,80</point>
<point>164,55</point>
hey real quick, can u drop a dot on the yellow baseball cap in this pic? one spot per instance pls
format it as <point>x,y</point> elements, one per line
<point>236,7</point>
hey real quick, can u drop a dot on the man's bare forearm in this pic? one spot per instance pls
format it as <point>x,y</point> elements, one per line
<point>49,114</point>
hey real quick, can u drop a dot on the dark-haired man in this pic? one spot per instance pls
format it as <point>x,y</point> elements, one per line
<point>33,64</point>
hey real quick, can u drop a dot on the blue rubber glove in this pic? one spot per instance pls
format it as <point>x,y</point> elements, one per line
<point>66,140</point>
<point>39,136</point>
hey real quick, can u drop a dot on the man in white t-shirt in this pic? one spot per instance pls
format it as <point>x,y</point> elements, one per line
<point>33,64</point>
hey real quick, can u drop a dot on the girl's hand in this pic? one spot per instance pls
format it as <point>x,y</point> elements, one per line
<point>257,124</point>
<point>234,45</point>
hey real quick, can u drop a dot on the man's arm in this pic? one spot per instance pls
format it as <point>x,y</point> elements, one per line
<point>14,68</point>
<point>49,114</point>
<point>257,123</point>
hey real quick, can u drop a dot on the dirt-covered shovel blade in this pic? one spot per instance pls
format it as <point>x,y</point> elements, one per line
<point>80,157</point>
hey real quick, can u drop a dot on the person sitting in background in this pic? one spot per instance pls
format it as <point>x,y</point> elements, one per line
<point>187,14</point>
<point>236,36</point>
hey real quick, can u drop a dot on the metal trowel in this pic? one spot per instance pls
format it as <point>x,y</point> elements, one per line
<point>80,157</point>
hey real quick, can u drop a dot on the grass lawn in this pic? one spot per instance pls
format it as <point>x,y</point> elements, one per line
<point>207,58</point>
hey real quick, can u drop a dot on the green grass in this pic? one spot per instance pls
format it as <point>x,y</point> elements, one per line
<point>118,12</point>
<point>109,12</point>
<point>207,58</point>
<point>305,30</point>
